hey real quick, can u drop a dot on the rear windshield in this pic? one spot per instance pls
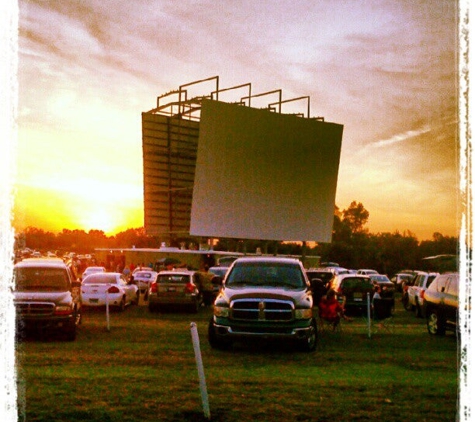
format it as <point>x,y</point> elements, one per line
<point>174,278</point>
<point>218,271</point>
<point>266,274</point>
<point>324,276</point>
<point>41,279</point>
<point>356,283</point>
<point>100,279</point>
<point>143,275</point>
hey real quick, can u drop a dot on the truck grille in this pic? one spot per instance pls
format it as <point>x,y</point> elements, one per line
<point>34,308</point>
<point>262,310</point>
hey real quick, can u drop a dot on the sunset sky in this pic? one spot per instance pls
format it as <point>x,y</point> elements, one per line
<point>386,70</point>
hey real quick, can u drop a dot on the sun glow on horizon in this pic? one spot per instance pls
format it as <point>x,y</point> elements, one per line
<point>108,207</point>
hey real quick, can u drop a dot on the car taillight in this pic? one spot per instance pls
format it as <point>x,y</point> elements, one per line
<point>189,288</point>
<point>113,289</point>
<point>153,287</point>
<point>422,294</point>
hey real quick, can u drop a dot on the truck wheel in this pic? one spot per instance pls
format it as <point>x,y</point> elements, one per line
<point>309,344</point>
<point>214,341</point>
<point>71,332</point>
<point>418,310</point>
<point>435,324</point>
<point>121,307</point>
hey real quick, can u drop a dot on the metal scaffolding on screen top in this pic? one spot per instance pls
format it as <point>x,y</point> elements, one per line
<point>180,102</point>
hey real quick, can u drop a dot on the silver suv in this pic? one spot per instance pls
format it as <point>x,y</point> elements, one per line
<point>46,296</point>
<point>441,302</point>
<point>265,298</point>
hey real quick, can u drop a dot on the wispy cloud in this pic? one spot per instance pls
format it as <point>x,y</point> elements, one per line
<point>401,137</point>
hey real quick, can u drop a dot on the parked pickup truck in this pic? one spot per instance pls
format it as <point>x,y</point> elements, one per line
<point>264,298</point>
<point>46,296</point>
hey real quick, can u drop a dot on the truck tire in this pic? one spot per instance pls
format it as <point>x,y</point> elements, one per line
<point>309,344</point>
<point>214,341</point>
<point>435,323</point>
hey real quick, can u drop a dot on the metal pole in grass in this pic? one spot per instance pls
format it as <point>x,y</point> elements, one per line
<point>201,372</point>
<point>368,309</point>
<point>107,308</point>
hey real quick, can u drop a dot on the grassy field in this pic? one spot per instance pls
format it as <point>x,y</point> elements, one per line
<point>144,369</point>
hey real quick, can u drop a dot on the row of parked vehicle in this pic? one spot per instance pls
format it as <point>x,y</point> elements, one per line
<point>435,297</point>
<point>429,295</point>
<point>354,288</point>
<point>48,295</point>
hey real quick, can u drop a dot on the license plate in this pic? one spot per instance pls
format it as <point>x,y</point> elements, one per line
<point>93,300</point>
<point>358,297</point>
<point>171,289</point>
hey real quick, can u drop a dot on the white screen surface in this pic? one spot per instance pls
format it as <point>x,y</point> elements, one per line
<point>262,175</point>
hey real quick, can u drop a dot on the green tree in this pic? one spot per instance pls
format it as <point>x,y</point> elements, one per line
<point>355,217</point>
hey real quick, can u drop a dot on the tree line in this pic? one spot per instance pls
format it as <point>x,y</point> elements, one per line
<point>352,245</point>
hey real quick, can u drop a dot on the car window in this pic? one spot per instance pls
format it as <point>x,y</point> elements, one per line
<point>430,279</point>
<point>453,286</point>
<point>143,275</point>
<point>325,276</point>
<point>263,274</point>
<point>103,279</point>
<point>355,282</point>
<point>441,283</point>
<point>173,278</point>
<point>51,279</point>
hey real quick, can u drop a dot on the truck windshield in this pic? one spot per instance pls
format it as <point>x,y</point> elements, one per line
<point>266,274</point>
<point>41,279</point>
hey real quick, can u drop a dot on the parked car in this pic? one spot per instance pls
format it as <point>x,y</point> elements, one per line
<point>320,281</point>
<point>143,280</point>
<point>178,288</point>
<point>264,298</point>
<point>441,302</point>
<point>405,288</point>
<point>219,271</point>
<point>217,281</point>
<point>415,293</point>
<point>355,290</point>
<point>401,279</point>
<point>98,288</point>
<point>46,296</point>
<point>388,289</point>
<point>90,270</point>
<point>366,272</point>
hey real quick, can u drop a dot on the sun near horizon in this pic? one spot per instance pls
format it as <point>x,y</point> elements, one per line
<point>53,211</point>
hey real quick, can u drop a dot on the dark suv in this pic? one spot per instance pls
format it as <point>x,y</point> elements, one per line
<point>265,298</point>
<point>46,296</point>
<point>440,302</point>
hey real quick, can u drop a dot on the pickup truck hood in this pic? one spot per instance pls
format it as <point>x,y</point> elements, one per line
<point>56,297</point>
<point>300,298</point>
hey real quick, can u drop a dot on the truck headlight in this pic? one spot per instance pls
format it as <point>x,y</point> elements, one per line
<point>221,311</point>
<point>63,310</point>
<point>303,313</point>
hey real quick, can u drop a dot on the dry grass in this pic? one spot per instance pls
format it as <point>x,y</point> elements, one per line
<point>144,370</point>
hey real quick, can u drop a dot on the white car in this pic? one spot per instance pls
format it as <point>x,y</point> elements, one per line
<point>90,270</point>
<point>365,271</point>
<point>96,288</point>
<point>415,293</point>
<point>144,279</point>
